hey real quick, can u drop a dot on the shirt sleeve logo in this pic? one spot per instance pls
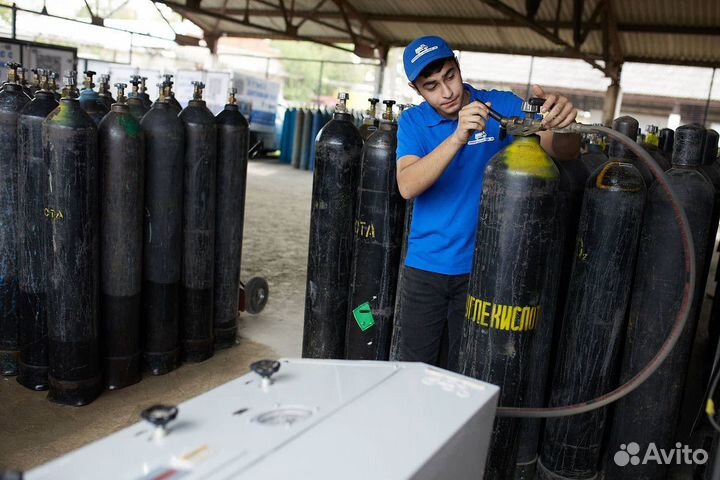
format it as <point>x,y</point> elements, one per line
<point>480,137</point>
<point>422,50</point>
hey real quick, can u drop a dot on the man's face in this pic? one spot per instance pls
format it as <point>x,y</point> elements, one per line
<point>443,90</point>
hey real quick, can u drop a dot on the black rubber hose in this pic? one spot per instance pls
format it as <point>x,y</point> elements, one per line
<point>689,254</point>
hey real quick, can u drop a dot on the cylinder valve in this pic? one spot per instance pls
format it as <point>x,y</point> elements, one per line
<point>341,105</point>
<point>388,113</point>
<point>121,92</point>
<point>231,96</point>
<point>12,75</point>
<point>197,89</point>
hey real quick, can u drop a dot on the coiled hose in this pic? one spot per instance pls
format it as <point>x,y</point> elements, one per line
<point>678,326</point>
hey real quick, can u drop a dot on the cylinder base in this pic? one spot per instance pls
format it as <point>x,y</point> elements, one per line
<point>195,351</point>
<point>33,377</point>
<point>160,363</point>
<point>9,362</point>
<point>121,372</point>
<point>544,474</point>
<point>74,393</point>
<point>225,336</point>
<point>526,471</point>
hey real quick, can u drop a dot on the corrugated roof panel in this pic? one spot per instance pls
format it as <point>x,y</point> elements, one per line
<point>684,48</point>
<point>669,12</point>
<point>466,36</point>
<point>455,8</point>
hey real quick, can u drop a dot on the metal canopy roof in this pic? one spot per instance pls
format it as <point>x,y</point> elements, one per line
<point>604,33</point>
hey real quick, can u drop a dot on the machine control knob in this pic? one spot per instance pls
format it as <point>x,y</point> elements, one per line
<point>160,416</point>
<point>266,369</point>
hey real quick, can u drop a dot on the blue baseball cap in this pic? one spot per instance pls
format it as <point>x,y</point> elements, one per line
<point>423,51</point>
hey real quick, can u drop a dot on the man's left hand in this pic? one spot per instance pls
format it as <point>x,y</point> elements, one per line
<point>559,111</point>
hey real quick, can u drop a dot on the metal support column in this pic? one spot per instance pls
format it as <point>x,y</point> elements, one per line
<point>14,21</point>
<point>610,105</point>
<point>380,79</point>
<point>320,82</point>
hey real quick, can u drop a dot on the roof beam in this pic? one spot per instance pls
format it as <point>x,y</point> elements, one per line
<point>591,25</point>
<point>593,18</point>
<point>380,40</point>
<point>577,22</point>
<point>348,25</point>
<point>513,15</point>
<point>612,46</point>
<point>531,8</point>
<point>312,14</point>
<point>247,23</point>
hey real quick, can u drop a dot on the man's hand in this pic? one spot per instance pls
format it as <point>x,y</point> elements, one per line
<point>471,118</point>
<point>560,110</point>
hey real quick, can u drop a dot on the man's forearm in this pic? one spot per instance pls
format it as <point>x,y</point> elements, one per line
<point>415,175</point>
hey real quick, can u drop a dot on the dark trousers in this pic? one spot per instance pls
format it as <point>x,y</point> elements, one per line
<point>430,304</point>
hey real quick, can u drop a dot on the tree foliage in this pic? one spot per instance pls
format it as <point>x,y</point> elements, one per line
<point>304,76</point>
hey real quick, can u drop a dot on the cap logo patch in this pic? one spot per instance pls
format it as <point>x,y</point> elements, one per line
<point>422,50</point>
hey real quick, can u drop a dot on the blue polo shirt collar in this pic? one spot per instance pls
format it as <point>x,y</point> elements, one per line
<point>432,118</point>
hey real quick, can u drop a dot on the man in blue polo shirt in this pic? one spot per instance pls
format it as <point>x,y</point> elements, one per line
<point>444,145</point>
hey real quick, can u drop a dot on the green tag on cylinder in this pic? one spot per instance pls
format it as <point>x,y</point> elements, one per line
<point>363,316</point>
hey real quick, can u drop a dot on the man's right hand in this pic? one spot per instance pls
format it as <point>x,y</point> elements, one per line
<point>471,118</point>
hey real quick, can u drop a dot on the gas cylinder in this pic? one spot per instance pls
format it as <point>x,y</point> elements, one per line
<point>169,94</point>
<point>72,209</point>
<point>22,80</point>
<point>397,326</point>
<point>573,177</point>
<point>122,172</point>
<point>196,332</point>
<point>35,83</point>
<point>32,241</point>
<point>511,278</point>
<point>629,127</point>
<point>594,318</point>
<point>232,158</point>
<point>652,135</point>
<point>377,244</point>
<point>104,91</point>
<point>297,138</point>
<point>370,122</point>
<point>134,102</point>
<point>284,135</point>
<point>665,142</point>
<point>594,156</point>
<point>652,146</point>
<point>143,95</point>
<point>710,171</point>
<point>338,150</point>
<point>12,100</point>
<point>290,139</point>
<point>90,101</point>
<point>318,122</point>
<point>656,298</point>
<point>162,235</point>
<point>307,140</point>
<point>54,87</point>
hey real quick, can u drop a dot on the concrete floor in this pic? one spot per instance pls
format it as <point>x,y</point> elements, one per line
<point>33,430</point>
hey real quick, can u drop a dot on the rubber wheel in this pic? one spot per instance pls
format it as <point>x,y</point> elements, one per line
<point>256,295</point>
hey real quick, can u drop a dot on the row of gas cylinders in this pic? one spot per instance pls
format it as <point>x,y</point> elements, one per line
<point>551,326</point>
<point>356,237</point>
<point>302,125</point>
<point>121,234</point>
